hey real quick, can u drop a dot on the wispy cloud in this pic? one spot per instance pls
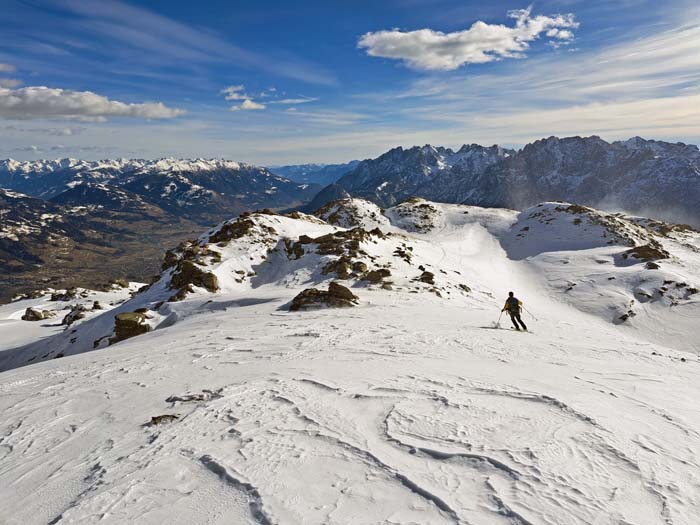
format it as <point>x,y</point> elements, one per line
<point>41,150</point>
<point>248,105</point>
<point>293,101</point>
<point>646,86</point>
<point>234,93</point>
<point>10,82</point>
<point>163,39</point>
<point>426,49</point>
<point>327,117</point>
<point>39,102</point>
<point>57,132</point>
<point>238,93</point>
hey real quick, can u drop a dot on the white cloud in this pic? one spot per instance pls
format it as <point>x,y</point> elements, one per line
<point>304,100</point>
<point>248,105</point>
<point>238,93</point>
<point>234,93</point>
<point>327,117</point>
<point>58,132</point>
<point>9,82</point>
<point>7,68</point>
<point>427,49</point>
<point>38,102</point>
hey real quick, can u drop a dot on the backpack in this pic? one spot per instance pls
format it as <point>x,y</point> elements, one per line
<point>513,305</point>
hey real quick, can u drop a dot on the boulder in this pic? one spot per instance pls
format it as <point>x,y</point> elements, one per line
<point>339,291</point>
<point>163,419</point>
<point>119,283</point>
<point>305,239</point>
<point>68,295</point>
<point>359,267</point>
<point>647,252</point>
<point>237,229</point>
<point>427,277</point>
<point>337,296</point>
<point>295,250</point>
<point>76,313</point>
<point>34,314</point>
<point>188,273</point>
<point>341,267</point>
<point>376,276</point>
<point>129,324</point>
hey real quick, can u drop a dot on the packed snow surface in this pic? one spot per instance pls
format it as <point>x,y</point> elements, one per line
<point>408,408</point>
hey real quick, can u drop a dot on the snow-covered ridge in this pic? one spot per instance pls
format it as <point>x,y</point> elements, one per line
<point>358,242</point>
<point>646,177</point>
<point>203,398</point>
<point>167,164</point>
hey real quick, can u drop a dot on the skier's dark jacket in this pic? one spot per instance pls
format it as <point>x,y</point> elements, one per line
<point>512,305</point>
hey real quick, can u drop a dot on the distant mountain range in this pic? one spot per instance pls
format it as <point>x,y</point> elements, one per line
<point>648,177</point>
<point>314,173</point>
<point>201,190</point>
<point>70,220</point>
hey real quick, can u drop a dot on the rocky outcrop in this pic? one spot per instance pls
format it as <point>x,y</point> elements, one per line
<point>188,273</point>
<point>76,313</point>
<point>337,296</point>
<point>637,175</point>
<point>427,277</point>
<point>647,252</point>
<point>128,325</point>
<point>67,295</point>
<point>34,314</point>
<point>376,276</point>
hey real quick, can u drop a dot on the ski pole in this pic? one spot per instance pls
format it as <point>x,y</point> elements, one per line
<point>528,311</point>
<point>498,323</point>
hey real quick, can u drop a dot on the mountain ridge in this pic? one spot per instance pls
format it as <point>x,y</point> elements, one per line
<point>641,176</point>
<point>115,217</point>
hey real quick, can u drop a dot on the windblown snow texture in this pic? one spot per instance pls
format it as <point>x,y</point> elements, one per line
<point>402,409</point>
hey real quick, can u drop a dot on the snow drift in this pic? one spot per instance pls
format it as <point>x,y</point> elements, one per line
<point>222,405</point>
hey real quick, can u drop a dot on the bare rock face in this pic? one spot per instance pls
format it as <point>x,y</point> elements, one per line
<point>646,253</point>
<point>427,277</point>
<point>341,267</point>
<point>163,419</point>
<point>188,273</point>
<point>34,314</point>
<point>376,276</point>
<point>76,313</point>
<point>337,296</point>
<point>129,324</point>
<point>68,295</point>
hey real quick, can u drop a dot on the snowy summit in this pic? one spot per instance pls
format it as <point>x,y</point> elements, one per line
<point>351,368</point>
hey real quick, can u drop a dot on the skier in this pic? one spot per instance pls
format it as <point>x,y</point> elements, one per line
<point>513,306</point>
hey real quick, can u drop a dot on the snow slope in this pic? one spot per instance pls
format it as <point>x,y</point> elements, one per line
<point>409,408</point>
<point>14,332</point>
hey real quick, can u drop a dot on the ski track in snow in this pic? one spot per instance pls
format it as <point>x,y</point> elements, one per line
<point>402,410</point>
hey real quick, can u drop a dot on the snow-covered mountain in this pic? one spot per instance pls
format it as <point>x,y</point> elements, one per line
<point>120,214</point>
<point>232,390</point>
<point>323,174</point>
<point>426,171</point>
<point>647,177</point>
<point>203,190</point>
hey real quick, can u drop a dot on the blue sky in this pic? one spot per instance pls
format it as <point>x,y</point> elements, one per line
<point>285,82</point>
